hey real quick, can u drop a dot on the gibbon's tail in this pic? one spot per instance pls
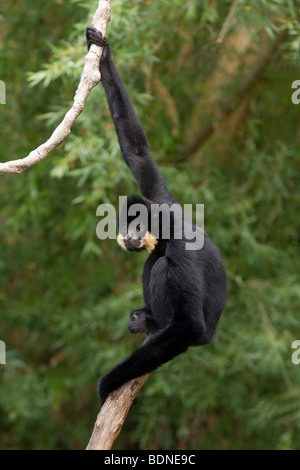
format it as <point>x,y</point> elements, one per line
<point>155,351</point>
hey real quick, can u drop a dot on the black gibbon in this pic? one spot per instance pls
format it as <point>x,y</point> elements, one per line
<point>184,290</point>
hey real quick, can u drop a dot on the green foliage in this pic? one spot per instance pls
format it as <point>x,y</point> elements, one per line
<point>65,296</point>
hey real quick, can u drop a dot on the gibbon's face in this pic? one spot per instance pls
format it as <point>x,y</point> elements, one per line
<point>137,239</point>
<point>134,234</point>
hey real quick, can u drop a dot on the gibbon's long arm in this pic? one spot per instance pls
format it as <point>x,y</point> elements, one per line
<point>132,139</point>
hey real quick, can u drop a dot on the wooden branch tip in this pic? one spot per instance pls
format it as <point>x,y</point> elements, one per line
<point>113,414</point>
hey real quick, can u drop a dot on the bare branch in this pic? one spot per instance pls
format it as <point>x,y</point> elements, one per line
<point>113,414</point>
<point>228,21</point>
<point>89,79</point>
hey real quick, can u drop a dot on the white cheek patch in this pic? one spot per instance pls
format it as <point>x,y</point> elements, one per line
<point>120,240</point>
<point>149,242</point>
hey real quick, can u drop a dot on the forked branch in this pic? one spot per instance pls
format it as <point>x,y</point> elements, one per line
<point>89,79</point>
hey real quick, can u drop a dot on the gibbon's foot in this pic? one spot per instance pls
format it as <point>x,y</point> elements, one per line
<point>93,36</point>
<point>104,391</point>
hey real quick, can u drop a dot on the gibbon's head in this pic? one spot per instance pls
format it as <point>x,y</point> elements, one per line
<point>134,225</point>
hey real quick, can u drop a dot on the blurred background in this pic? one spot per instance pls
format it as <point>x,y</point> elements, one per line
<point>212,84</point>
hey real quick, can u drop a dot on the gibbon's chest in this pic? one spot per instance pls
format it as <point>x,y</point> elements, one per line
<point>156,288</point>
<point>154,269</point>
<point>147,274</point>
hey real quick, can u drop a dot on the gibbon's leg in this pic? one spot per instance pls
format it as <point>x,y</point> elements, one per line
<point>159,349</point>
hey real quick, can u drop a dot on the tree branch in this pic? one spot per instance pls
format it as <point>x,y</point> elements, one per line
<point>89,79</point>
<point>228,21</point>
<point>115,409</point>
<point>113,414</point>
<point>230,104</point>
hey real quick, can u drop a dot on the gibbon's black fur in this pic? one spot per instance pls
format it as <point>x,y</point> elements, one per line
<point>184,291</point>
